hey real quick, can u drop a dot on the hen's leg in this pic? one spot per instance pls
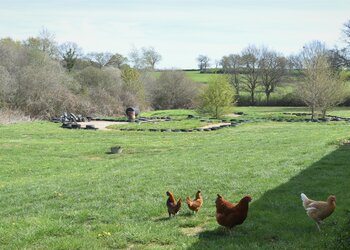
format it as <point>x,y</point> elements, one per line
<point>318,225</point>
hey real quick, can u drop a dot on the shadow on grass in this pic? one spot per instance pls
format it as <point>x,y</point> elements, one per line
<point>278,220</point>
<point>162,219</point>
<point>187,214</point>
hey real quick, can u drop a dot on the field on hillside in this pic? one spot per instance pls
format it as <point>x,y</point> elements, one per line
<point>61,189</point>
<point>195,76</point>
<point>284,94</point>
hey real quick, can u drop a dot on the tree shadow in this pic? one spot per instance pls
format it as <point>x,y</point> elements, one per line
<point>278,220</point>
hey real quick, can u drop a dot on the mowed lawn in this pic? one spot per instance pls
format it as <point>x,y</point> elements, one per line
<point>60,189</point>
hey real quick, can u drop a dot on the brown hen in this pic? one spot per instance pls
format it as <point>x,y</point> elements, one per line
<point>229,214</point>
<point>172,205</point>
<point>196,204</point>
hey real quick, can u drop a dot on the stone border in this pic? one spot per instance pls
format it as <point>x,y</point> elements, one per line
<point>212,127</point>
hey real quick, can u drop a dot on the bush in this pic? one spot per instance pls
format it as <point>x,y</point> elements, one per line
<point>173,90</point>
<point>345,75</point>
<point>218,96</point>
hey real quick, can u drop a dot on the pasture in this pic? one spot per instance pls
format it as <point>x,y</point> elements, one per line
<point>61,189</point>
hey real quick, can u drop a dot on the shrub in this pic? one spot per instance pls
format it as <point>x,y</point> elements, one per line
<point>217,97</point>
<point>173,90</point>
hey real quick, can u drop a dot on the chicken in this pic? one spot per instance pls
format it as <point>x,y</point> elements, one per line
<point>229,214</point>
<point>196,204</point>
<point>173,206</point>
<point>318,210</point>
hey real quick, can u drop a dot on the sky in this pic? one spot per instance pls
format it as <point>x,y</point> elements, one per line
<point>179,30</point>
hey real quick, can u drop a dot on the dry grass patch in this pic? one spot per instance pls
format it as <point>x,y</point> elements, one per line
<point>8,116</point>
<point>192,231</point>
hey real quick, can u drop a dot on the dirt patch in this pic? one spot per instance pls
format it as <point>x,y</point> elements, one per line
<point>92,158</point>
<point>192,231</point>
<point>101,125</point>
<point>232,115</point>
<point>216,125</point>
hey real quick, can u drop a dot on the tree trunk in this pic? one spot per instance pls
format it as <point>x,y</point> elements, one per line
<point>267,98</point>
<point>324,111</point>
<point>237,85</point>
<point>252,99</point>
<point>312,112</point>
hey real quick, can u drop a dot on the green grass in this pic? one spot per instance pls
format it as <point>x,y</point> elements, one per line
<point>60,189</point>
<point>174,113</point>
<point>196,76</point>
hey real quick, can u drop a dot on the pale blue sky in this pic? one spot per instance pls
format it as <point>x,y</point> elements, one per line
<point>179,30</point>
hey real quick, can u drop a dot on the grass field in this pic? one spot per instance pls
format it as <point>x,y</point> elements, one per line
<point>61,189</point>
<point>195,76</point>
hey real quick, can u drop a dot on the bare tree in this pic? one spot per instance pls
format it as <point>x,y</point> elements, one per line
<point>231,65</point>
<point>203,62</point>
<point>250,62</point>
<point>69,52</point>
<point>311,51</point>
<point>100,58</point>
<point>294,62</point>
<point>48,43</point>
<point>322,88</point>
<point>136,58</point>
<point>6,86</point>
<point>45,42</point>
<point>272,69</point>
<point>150,57</point>
<point>340,57</point>
<point>346,32</point>
<point>144,58</point>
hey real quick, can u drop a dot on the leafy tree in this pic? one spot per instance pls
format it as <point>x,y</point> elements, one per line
<point>117,60</point>
<point>217,97</point>
<point>133,89</point>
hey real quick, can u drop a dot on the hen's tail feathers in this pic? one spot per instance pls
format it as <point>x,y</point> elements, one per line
<point>188,200</point>
<point>303,197</point>
<point>305,200</point>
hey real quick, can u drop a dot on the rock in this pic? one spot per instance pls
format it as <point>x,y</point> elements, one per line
<point>116,150</point>
<point>91,127</point>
